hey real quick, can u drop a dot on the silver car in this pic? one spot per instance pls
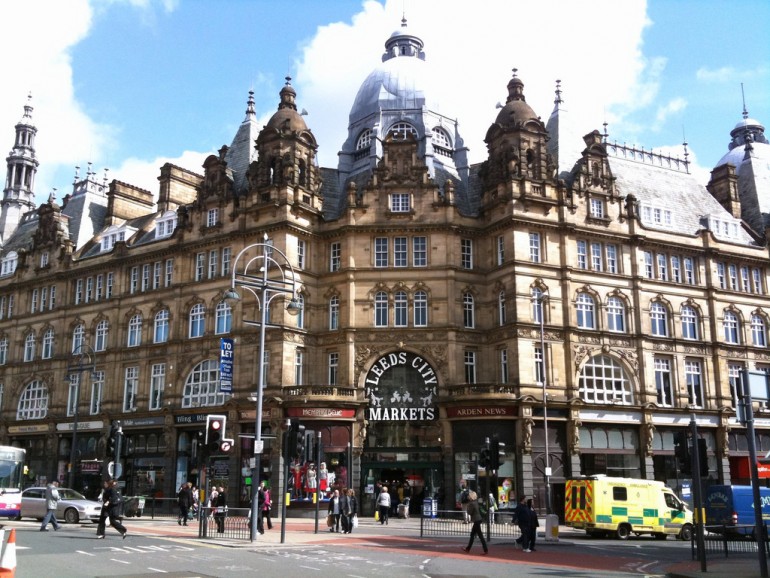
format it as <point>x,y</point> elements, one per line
<point>72,507</point>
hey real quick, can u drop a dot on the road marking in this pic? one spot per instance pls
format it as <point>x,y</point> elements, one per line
<point>157,570</point>
<point>86,553</point>
<point>121,561</point>
<point>309,568</point>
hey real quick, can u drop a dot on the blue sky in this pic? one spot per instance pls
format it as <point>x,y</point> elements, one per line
<point>132,84</point>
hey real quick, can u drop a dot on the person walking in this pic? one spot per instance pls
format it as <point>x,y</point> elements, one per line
<point>100,527</point>
<point>184,500</point>
<point>266,505</point>
<point>521,517</point>
<point>353,504</point>
<point>464,492</point>
<point>335,511</point>
<point>475,513</point>
<point>383,505</point>
<point>221,510</point>
<point>534,524</point>
<point>51,502</point>
<point>345,513</point>
<point>113,501</point>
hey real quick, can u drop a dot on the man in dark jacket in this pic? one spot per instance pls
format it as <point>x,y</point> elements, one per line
<point>521,517</point>
<point>184,500</point>
<point>113,501</point>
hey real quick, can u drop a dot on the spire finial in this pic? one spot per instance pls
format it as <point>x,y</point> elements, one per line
<point>686,152</point>
<point>515,70</point>
<point>743,96</point>
<point>288,80</point>
<point>558,99</point>
<point>250,105</point>
<point>605,135</point>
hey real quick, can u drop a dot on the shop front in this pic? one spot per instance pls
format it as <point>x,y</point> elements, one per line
<point>143,454</point>
<point>245,444</point>
<point>39,461</point>
<point>402,441</point>
<point>88,456</point>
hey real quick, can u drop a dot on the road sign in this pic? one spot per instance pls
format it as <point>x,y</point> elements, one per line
<point>115,470</point>
<point>226,356</point>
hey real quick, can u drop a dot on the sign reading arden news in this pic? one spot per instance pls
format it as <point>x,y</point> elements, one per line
<point>401,386</point>
<point>226,351</point>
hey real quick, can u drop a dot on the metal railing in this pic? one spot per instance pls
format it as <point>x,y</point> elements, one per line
<point>230,524</point>
<point>726,541</point>
<point>452,523</point>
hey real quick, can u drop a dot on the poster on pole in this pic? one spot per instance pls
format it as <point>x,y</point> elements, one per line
<point>226,356</point>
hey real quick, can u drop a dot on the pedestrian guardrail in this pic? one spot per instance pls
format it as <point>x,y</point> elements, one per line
<point>452,523</point>
<point>226,523</point>
<point>724,541</point>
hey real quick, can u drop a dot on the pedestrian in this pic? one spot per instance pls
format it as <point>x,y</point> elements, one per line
<point>464,491</point>
<point>221,510</point>
<point>345,513</point>
<point>475,513</point>
<point>534,524</point>
<point>383,505</point>
<point>266,505</point>
<point>184,500</point>
<point>103,513</point>
<point>521,517</point>
<point>113,501</point>
<point>353,501</point>
<point>335,511</point>
<point>51,502</point>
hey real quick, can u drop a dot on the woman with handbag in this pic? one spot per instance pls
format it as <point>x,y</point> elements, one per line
<point>353,507</point>
<point>383,505</point>
<point>334,512</point>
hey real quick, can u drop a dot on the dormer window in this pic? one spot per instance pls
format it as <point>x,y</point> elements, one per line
<point>212,219</point>
<point>112,236</point>
<point>8,265</point>
<point>597,208</point>
<point>441,143</point>
<point>165,225</point>
<point>656,216</point>
<point>44,259</point>
<point>724,227</point>
<point>401,129</point>
<point>399,202</point>
<point>364,140</point>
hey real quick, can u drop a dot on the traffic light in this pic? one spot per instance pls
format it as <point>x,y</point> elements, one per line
<point>703,458</point>
<point>494,453</point>
<point>215,432</point>
<point>297,440</point>
<point>682,453</point>
<point>485,456</point>
<point>112,440</point>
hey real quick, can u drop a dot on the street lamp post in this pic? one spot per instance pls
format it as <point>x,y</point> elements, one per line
<point>82,360</point>
<point>255,279</point>
<point>539,299</point>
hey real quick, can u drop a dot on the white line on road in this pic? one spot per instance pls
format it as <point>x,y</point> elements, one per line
<point>157,570</point>
<point>310,567</point>
<point>121,561</point>
<point>86,553</point>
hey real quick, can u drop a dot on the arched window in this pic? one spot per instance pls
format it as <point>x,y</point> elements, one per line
<point>659,319</point>
<point>603,380</point>
<point>102,332</point>
<point>401,309</point>
<point>441,138</point>
<point>585,311</point>
<point>420,309</point>
<point>78,337</point>
<point>33,402</point>
<point>197,321</point>
<point>135,331</point>
<point>758,331</point>
<point>160,331</point>
<point>616,315</point>
<point>47,352</point>
<point>731,327</point>
<point>29,346</point>
<point>334,313</point>
<point>202,386</point>
<point>8,263</point>
<point>364,140</point>
<point>469,311</point>
<point>224,317</point>
<point>381,309</point>
<point>501,308</point>
<point>689,322</point>
<point>401,129</point>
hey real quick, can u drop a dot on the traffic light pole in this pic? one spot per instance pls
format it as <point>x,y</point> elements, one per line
<point>698,494</point>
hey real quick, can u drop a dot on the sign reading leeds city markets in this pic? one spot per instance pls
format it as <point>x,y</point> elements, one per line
<point>401,386</point>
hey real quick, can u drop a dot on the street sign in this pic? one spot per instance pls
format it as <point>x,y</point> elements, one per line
<point>226,356</point>
<point>115,470</point>
<point>259,446</point>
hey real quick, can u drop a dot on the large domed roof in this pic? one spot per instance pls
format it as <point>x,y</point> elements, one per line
<point>747,131</point>
<point>287,117</point>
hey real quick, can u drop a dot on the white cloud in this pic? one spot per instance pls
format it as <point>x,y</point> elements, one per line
<point>673,106</point>
<point>144,173</point>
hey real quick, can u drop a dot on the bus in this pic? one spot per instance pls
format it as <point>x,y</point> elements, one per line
<point>11,475</point>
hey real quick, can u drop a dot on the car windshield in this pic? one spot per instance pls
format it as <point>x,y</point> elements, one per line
<point>67,494</point>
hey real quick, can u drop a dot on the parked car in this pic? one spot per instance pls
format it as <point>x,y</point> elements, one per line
<point>72,508</point>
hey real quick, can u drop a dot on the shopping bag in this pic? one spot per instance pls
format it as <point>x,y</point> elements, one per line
<point>330,520</point>
<point>377,516</point>
<point>355,521</point>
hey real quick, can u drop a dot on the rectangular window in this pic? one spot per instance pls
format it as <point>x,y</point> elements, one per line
<point>299,359</point>
<point>611,252</point>
<point>733,273</point>
<point>157,385</point>
<point>43,298</point>
<point>470,366</point>
<point>381,252</point>
<point>146,276</point>
<point>213,264</point>
<point>399,202</point>
<point>648,271</point>
<point>157,274</point>
<point>503,366</point>
<point>500,250</point>
<point>110,285</point>
<point>99,287</point>
<point>169,272</point>
<point>134,280</point>
<point>89,289</point>
<point>663,382</point>
<point>33,301</point>
<point>734,372</point>
<point>130,388</point>
<point>721,277</point>
<point>689,271</point>
<point>78,291</point>
<point>226,257</point>
<point>597,209</point>
<point>756,276</point>
<point>97,390</point>
<point>693,375</point>
<point>534,248</point>
<point>420,251</point>
<point>212,218</point>
<point>676,269</point>
<point>200,266</point>
<point>596,256</point>
<point>400,256</point>
<point>335,257</point>
<point>582,255</point>
<point>466,253</point>
<point>745,285</point>
<point>539,367</point>
<point>334,366</point>
<point>662,267</point>
<point>301,253</point>
<point>72,394</point>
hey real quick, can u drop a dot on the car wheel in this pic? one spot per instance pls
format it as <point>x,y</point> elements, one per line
<point>71,516</point>
<point>686,533</point>
<point>623,531</point>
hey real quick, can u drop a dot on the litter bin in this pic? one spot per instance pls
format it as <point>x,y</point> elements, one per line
<point>552,528</point>
<point>429,508</point>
